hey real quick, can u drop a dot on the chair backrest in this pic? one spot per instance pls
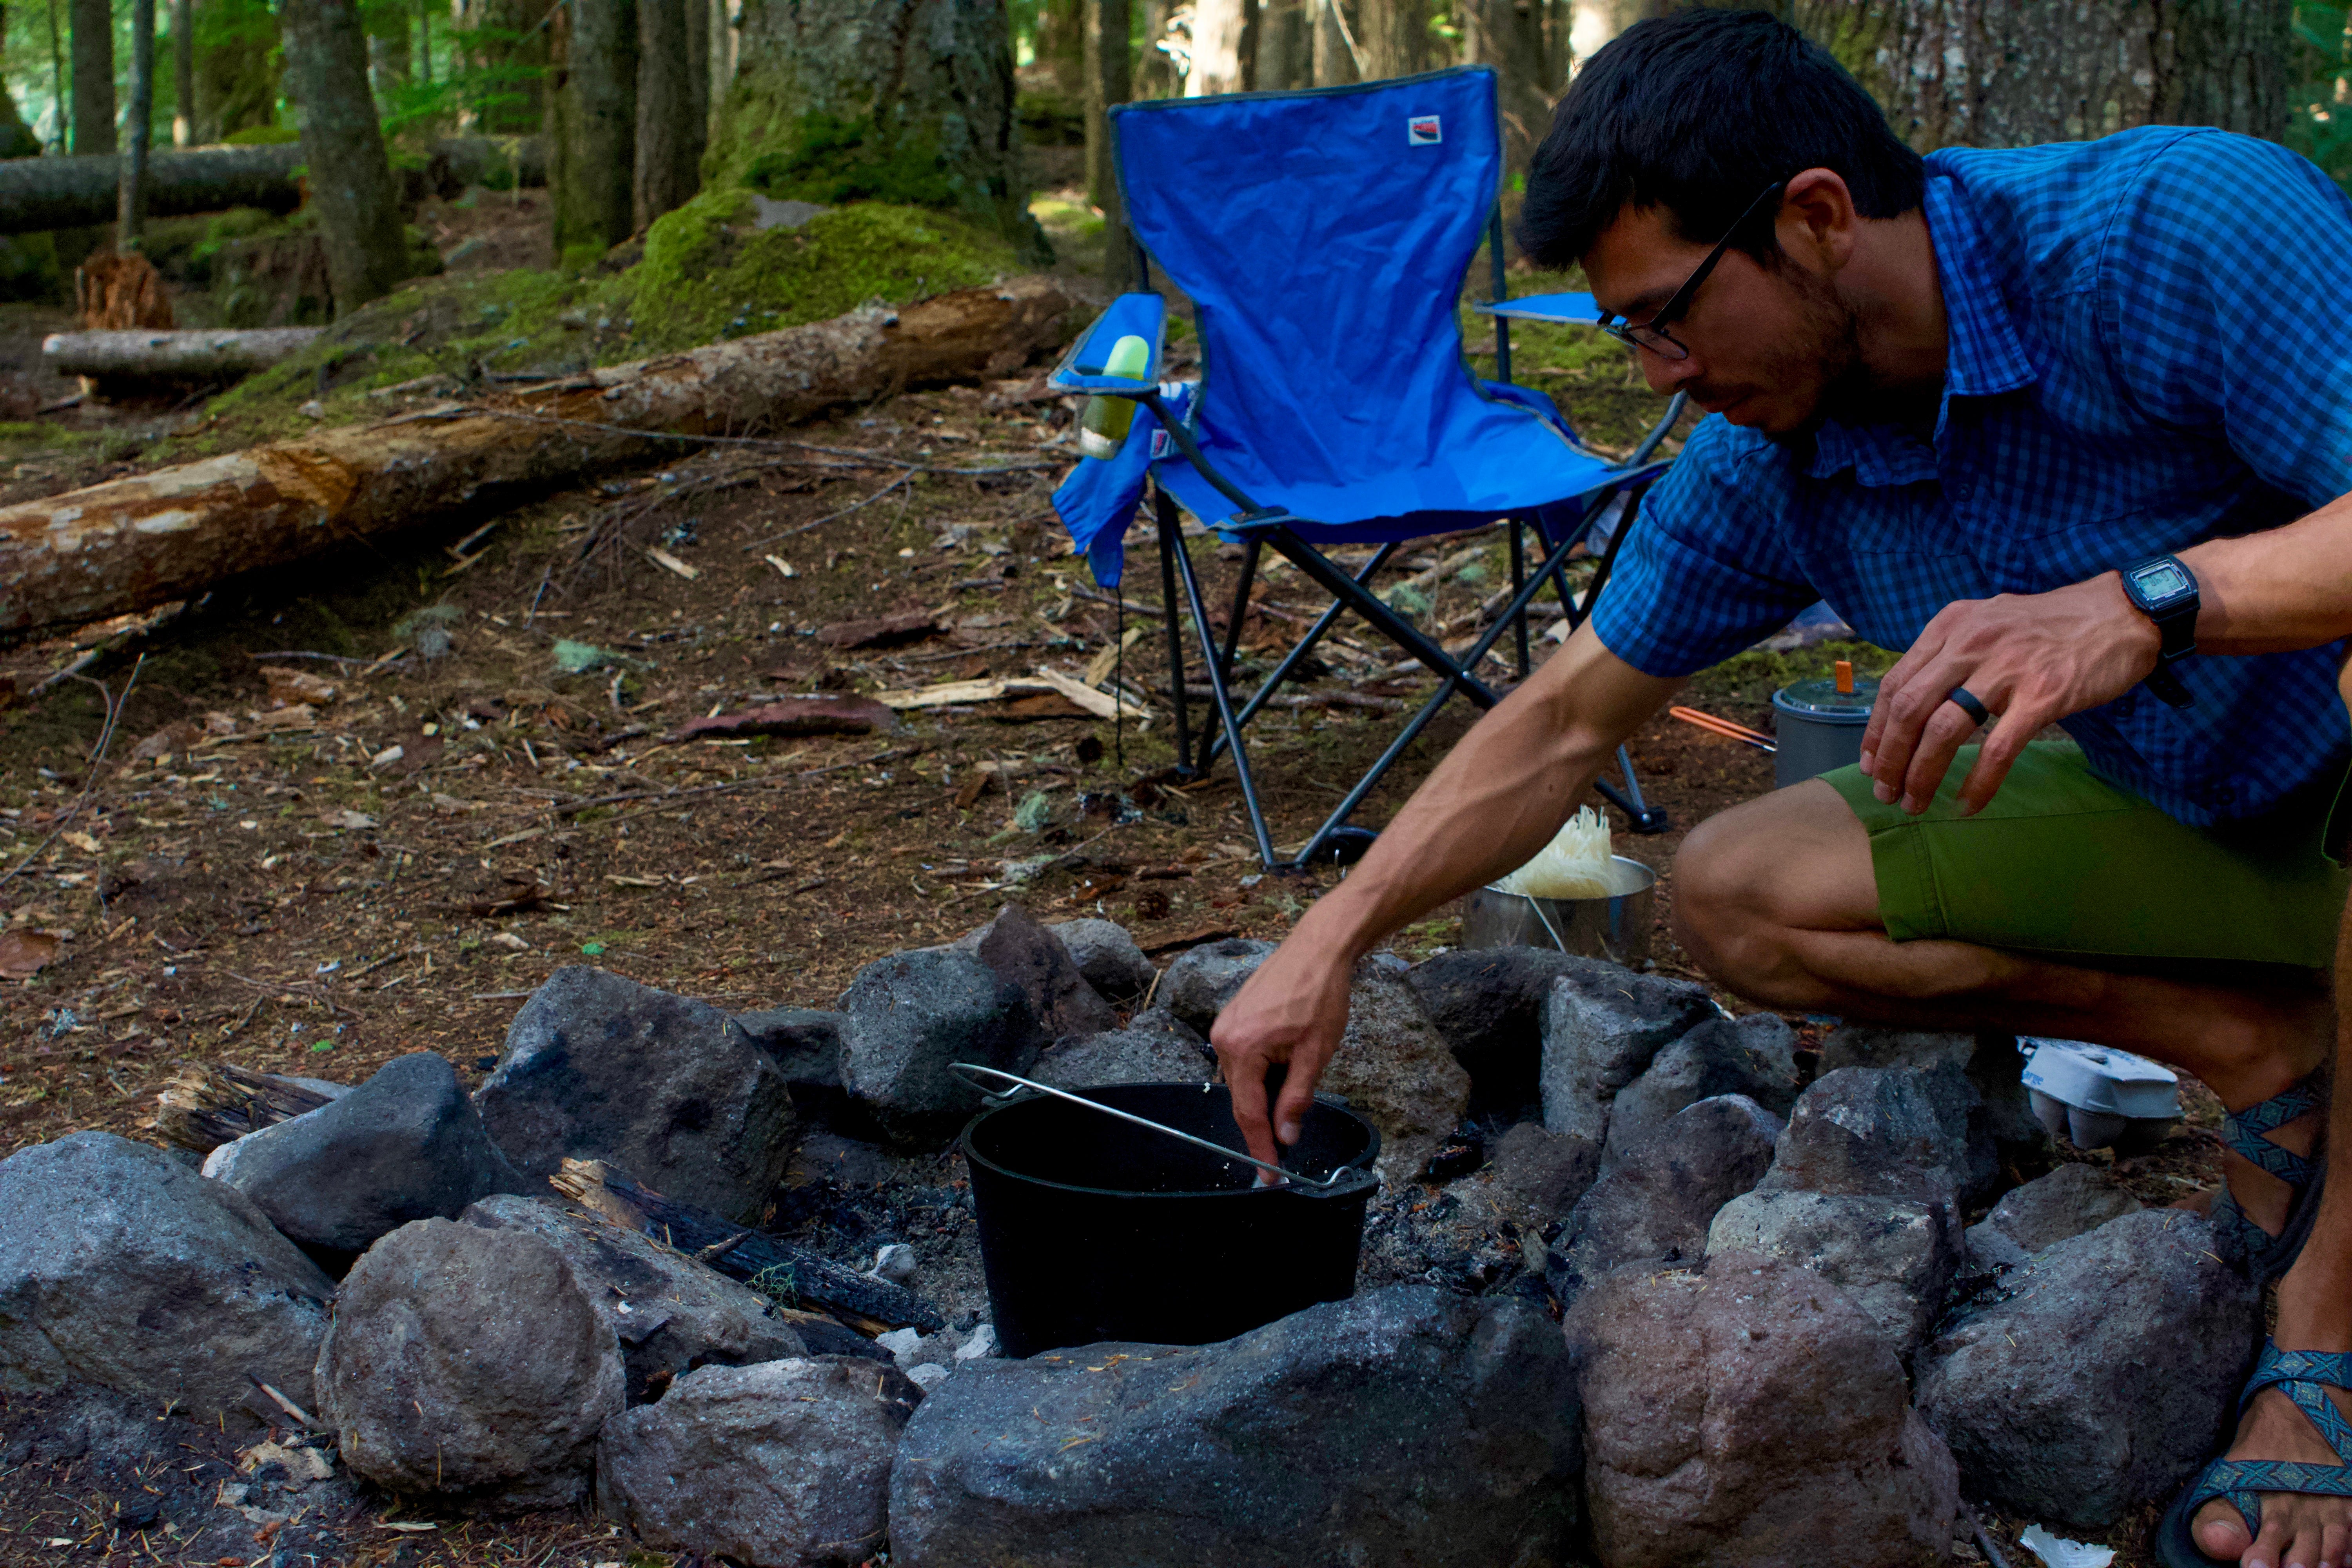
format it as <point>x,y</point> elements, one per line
<point>1323,237</point>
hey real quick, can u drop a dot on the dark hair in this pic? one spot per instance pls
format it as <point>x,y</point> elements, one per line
<point>1697,113</point>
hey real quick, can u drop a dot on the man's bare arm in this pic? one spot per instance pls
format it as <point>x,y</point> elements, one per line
<point>1495,799</point>
<point>2034,659</point>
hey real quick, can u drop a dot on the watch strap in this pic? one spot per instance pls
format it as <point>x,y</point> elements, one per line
<point>2166,683</point>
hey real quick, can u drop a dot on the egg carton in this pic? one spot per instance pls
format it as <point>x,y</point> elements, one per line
<point>2097,1096</point>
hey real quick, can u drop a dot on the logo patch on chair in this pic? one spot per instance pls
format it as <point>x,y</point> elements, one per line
<point>1422,130</point>
<point>1162,445</point>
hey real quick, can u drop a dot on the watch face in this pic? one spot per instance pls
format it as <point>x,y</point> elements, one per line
<point>2161,580</point>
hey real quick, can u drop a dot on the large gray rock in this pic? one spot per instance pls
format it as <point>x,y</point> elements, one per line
<point>1154,1048</point>
<point>1895,1258</point>
<point>672,1090</point>
<point>1752,1417</point>
<point>466,1363</point>
<point>1539,1174</point>
<point>907,1017</point>
<point>2067,1201</point>
<point>1877,1131</point>
<point>406,1145</point>
<point>781,1465</point>
<point>1107,956</point>
<point>668,1312</point>
<point>1754,1057</point>
<point>1393,1070</point>
<point>2001,1129</point>
<point>803,1042</point>
<point>1202,979</point>
<point>1601,1031</point>
<point>1027,956</point>
<point>120,1265</point>
<point>1656,1205</point>
<point>1407,1425</point>
<point>2107,1376</point>
<point>1489,1005</point>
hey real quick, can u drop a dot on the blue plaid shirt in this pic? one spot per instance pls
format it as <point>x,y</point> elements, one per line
<point>2150,346</point>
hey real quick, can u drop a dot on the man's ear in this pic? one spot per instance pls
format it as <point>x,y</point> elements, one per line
<point>1817,225</point>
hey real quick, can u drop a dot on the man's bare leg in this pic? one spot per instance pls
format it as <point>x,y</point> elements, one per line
<point>1777,901</point>
<point>2315,1313</point>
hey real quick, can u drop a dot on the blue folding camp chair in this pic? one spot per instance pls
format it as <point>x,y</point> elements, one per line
<point>1323,239</point>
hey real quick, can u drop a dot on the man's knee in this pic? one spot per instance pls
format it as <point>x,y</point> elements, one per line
<point>1797,859</point>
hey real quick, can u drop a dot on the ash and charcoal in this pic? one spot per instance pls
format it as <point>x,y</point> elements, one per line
<point>727,1270</point>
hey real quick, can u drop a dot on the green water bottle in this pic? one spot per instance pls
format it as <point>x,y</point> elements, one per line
<point>1102,428</point>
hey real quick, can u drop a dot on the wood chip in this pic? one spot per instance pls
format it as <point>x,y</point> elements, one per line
<point>667,562</point>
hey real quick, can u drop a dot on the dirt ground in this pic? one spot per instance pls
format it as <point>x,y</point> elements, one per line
<point>319,882</point>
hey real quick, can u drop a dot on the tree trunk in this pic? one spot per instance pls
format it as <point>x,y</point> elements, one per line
<point>595,166</point>
<point>38,194</point>
<point>1155,73</point>
<point>93,76</point>
<point>16,138</point>
<point>670,149</point>
<point>509,48</point>
<point>907,101</point>
<point>698,75</point>
<point>1220,39</point>
<point>237,67</point>
<point>1395,37</point>
<point>184,73</point>
<point>1061,45</point>
<point>1282,59</point>
<point>217,355</point>
<point>388,49</point>
<point>873,1306</point>
<point>1338,52</point>
<point>131,210</point>
<point>1108,83</point>
<point>2011,73</point>
<point>1497,33</point>
<point>156,536</point>
<point>349,171</point>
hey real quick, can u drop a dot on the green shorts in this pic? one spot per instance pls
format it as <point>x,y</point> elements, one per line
<point>2062,861</point>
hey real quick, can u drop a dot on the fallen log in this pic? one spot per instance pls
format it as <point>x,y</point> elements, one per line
<point>777,1267</point>
<point>210,1104</point>
<point>215,355</point>
<point>39,194</point>
<point>162,535</point>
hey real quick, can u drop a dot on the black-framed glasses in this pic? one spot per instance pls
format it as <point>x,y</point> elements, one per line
<point>1651,335</point>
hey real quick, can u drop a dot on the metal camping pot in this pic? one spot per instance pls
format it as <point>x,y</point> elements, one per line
<point>1819,727</point>
<point>1617,928</point>
<point>1129,1213</point>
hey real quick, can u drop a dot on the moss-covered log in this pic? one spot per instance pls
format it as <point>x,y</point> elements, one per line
<point>151,537</point>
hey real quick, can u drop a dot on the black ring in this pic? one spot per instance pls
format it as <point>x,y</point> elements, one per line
<point>1967,704</point>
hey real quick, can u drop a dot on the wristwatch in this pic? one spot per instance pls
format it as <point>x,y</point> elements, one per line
<point>2164,589</point>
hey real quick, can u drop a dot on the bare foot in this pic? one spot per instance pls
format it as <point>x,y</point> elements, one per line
<point>2298,1531</point>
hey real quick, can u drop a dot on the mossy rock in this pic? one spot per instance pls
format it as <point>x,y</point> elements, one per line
<point>710,272</point>
<point>28,267</point>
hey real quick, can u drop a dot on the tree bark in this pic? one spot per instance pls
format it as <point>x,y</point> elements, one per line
<point>595,168</point>
<point>1155,73</point>
<point>93,76</point>
<point>184,73</point>
<point>1108,83</point>
<point>2011,73</point>
<point>1061,45</point>
<point>899,99</point>
<point>215,354</point>
<point>236,74</point>
<point>1497,33</point>
<point>1283,60</point>
<point>349,171</point>
<point>698,75</point>
<point>42,194</point>
<point>1220,37</point>
<point>1395,37</point>
<point>669,145</point>
<point>131,210</point>
<point>779,1267</point>
<point>153,537</point>
<point>1337,51</point>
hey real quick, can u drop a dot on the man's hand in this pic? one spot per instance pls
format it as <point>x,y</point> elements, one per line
<point>1293,1010</point>
<point>2031,659</point>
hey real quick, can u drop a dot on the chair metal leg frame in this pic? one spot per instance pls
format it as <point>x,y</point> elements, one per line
<point>1233,641</point>
<point>1171,541</point>
<point>1297,655</point>
<point>1519,580</point>
<point>1221,699</point>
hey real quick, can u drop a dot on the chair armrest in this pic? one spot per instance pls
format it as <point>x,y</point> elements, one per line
<point>1568,309</point>
<point>1141,316</point>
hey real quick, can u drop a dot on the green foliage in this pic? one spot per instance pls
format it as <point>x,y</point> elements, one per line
<point>28,267</point>
<point>710,272</point>
<point>263,136</point>
<point>829,160</point>
<point>2320,126</point>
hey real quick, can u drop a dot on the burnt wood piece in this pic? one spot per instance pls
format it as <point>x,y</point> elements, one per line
<point>764,1263</point>
<point>213,1103</point>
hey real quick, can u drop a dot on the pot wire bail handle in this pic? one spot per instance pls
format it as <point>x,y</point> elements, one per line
<point>964,1070</point>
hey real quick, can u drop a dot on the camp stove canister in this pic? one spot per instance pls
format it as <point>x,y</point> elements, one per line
<point>1818,724</point>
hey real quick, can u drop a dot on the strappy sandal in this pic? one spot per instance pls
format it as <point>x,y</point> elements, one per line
<point>2306,1375</point>
<point>2261,1255</point>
